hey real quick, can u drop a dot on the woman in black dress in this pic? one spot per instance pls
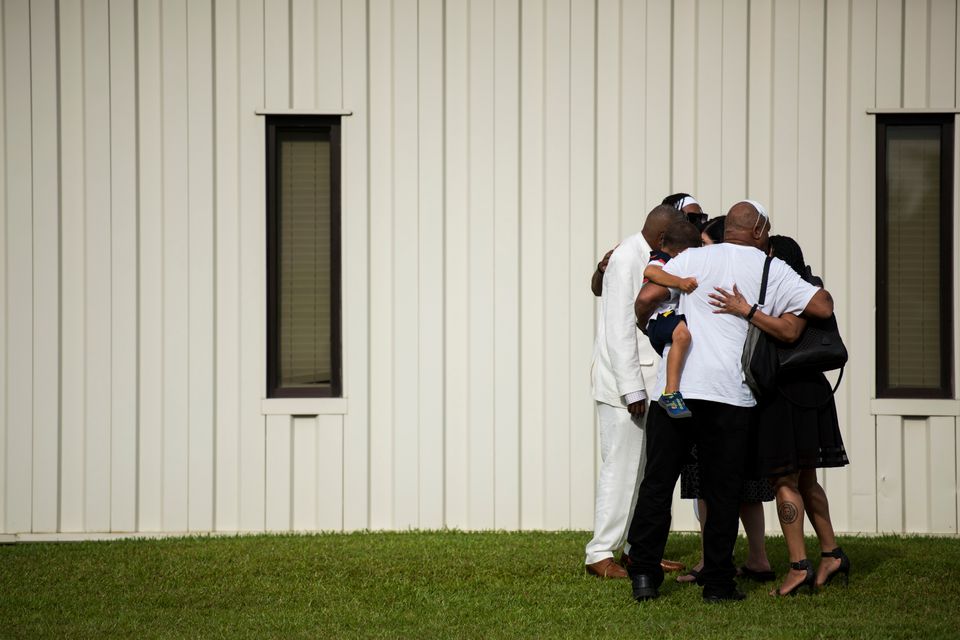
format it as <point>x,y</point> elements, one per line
<point>798,432</point>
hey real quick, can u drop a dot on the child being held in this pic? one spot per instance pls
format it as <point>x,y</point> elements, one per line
<point>667,326</point>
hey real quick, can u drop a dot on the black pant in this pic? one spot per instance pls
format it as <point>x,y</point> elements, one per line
<point>720,432</point>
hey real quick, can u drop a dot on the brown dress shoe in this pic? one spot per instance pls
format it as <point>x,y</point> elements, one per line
<point>671,565</point>
<point>606,568</point>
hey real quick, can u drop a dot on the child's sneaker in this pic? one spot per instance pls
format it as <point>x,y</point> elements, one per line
<point>674,405</point>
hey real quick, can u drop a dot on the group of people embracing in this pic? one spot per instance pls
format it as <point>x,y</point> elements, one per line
<point>673,402</point>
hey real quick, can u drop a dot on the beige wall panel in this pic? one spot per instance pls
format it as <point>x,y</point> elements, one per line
<point>862,208</point>
<point>46,266</point>
<point>610,96</point>
<point>532,422</point>
<point>329,463</point>
<point>644,120</point>
<point>405,483</point>
<point>916,456</point>
<point>889,53</point>
<point>942,486</point>
<point>123,320</point>
<point>707,87</point>
<point>305,467</point>
<point>279,469</point>
<point>3,285</point>
<point>557,267</point>
<point>760,103</point>
<point>836,199</point>
<point>381,265</point>
<point>506,304</point>
<point>200,160</point>
<point>329,86</point>
<point>809,178</point>
<point>956,83</point>
<point>72,268</point>
<point>252,249</point>
<point>456,260</point>
<point>685,82</point>
<point>608,167</point>
<point>277,28</point>
<point>889,469</point>
<point>786,106</point>
<point>916,61</point>
<point>657,115</point>
<point>733,163</point>
<point>176,275</point>
<point>303,54</point>
<point>943,47</point>
<point>18,206</point>
<point>430,120</point>
<point>583,46</point>
<point>480,346</point>
<point>354,218</point>
<point>96,76</point>
<point>227,176</point>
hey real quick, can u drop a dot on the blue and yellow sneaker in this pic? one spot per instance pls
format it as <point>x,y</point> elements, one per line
<point>674,405</point>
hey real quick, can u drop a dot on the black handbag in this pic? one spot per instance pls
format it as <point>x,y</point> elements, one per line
<point>819,348</point>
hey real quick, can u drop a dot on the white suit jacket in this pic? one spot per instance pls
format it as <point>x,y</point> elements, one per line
<point>623,360</point>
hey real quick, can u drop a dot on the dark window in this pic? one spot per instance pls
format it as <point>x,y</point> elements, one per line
<point>303,256</point>
<point>914,256</point>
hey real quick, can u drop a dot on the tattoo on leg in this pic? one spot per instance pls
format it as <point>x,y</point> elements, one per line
<point>788,512</point>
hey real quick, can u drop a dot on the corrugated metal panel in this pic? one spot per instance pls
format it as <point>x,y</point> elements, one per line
<point>507,146</point>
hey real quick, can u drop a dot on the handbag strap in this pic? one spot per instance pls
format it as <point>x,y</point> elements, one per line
<point>763,281</point>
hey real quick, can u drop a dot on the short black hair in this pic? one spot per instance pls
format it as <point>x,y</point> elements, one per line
<point>714,229</point>
<point>680,235</point>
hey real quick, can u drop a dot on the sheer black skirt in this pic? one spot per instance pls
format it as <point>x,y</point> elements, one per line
<point>797,427</point>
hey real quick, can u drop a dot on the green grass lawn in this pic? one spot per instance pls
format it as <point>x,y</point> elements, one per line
<point>446,584</point>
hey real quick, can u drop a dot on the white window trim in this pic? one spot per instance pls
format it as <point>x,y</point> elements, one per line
<point>303,406</point>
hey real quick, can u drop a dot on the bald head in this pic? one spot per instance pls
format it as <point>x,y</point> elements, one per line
<point>746,225</point>
<point>657,222</point>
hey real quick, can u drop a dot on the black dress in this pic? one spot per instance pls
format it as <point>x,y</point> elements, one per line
<point>798,426</point>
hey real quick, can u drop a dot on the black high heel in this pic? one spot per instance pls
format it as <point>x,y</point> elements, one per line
<point>803,565</point>
<point>844,567</point>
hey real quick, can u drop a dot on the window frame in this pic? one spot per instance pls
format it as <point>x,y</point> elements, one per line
<point>946,388</point>
<point>275,126</point>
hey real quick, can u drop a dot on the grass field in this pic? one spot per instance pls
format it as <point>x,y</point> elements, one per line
<point>446,585</point>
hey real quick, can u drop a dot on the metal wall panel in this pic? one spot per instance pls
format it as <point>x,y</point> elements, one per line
<point>493,152</point>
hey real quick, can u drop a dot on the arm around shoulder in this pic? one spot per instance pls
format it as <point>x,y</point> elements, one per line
<point>650,296</point>
<point>820,305</point>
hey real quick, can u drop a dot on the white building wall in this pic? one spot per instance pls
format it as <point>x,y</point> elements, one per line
<point>493,151</point>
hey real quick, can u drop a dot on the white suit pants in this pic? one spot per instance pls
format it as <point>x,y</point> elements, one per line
<point>622,452</point>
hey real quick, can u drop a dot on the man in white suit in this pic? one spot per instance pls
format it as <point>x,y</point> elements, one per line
<point>624,367</point>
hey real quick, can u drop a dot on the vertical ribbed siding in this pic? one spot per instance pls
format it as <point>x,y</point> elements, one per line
<point>495,151</point>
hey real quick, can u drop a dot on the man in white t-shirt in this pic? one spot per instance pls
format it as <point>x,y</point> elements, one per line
<point>714,388</point>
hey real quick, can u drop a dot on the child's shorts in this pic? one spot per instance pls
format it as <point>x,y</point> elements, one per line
<point>660,329</point>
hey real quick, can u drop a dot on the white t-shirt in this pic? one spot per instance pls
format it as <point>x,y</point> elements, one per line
<point>671,303</point>
<point>712,370</point>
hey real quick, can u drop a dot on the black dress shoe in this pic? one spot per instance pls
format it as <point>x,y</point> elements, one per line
<point>643,588</point>
<point>731,596</point>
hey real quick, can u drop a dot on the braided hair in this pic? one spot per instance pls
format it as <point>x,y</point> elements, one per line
<point>787,249</point>
<point>674,198</point>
